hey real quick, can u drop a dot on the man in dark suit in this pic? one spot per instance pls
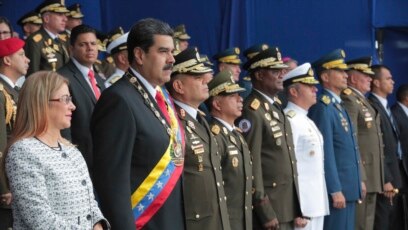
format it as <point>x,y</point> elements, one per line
<point>85,87</point>
<point>382,85</point>
<point>366,122</point>
<point>400,113</point>
<point>204,197</point>
<point>13,64</point>
<point>138,143</point>
<point>225,106</point>
<point>269,137</point>
<point>341,156</point>
<point>46,49</point>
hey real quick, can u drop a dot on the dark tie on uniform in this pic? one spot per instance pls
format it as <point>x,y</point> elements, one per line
<point>162,105</point>
<point>16,88</point>
<point>95,88</point>
<point>392,121</point>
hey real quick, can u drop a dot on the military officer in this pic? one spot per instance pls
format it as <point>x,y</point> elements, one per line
<point>245,81</point>
<point>74,17</point>
<point>204,197</point>
<point>300,89</point>
<point>13,64</point>
<point>46,49</point>
<point>30,23</point>
<point>366,122</point>
<point>229,60</point>
<point>117,48</point>
<point>225,106</point>
<point>269,137</point>
<point>341,157</point>
<point>181,38</point>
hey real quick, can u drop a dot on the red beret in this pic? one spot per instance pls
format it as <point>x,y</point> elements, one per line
<point>10,45</point>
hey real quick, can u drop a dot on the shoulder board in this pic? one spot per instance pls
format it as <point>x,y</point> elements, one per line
<point>255,104</point>
<point>215,129</point>
<point>277,100</point>
<point>37,38</point>
<point>247,78</point>
<point>347,91</point>
<point>325,99</point>
<point>202,113</point>
<point>115,79</point>
<point>63,37</point>
<point>109,59</point>
<point>291,113</point>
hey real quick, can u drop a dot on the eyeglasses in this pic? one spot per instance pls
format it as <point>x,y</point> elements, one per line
<point>64,99</point>
<point>5,32</point>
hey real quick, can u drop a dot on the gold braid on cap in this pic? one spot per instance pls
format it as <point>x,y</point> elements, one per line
<point>227,87</point>
<point>265,63</point>
<point>307,80</point>
<point>231,58</point>
<point>186,66</point>
<point>339,63</point>
<point>362,67</point>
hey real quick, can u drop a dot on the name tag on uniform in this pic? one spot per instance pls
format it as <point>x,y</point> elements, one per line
<point>278,134</point>
<point>233,152</point>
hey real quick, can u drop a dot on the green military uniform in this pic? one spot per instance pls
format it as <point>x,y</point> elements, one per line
<point>235,157</point>
<point>44,52</point>
<point>204,197</point>
<point>269,136</point>
<point>366,122</point>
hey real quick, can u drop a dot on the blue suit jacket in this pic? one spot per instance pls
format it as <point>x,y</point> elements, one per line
<point>341,157</point>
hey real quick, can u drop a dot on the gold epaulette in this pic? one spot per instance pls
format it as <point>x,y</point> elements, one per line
<point>291,113</point>
<point>62,37</point>
<point>109,59</point>
<point>347,91</point>
<point>115,79</point>
<point>325,99</point>
<point>37,38</point>
<point>277,100</point>
<point>9,106</point>
<point>215,129</point>
<point>255,104</point>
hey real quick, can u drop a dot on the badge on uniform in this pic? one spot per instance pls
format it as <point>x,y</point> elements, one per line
<point>275,115</point>
<point>279,142</point>
<point>235,162</point>
<point>225,130</point>
<point>244,125</point>
<point>268,116</point>
<point>266,106</point>
<point>344,122</point>
<point>369,124</point>
<point>276,135</point>
<point>191,124</point>
<point>233,140</point>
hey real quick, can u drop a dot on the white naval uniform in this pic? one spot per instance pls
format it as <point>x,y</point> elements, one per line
<point>308,143</point>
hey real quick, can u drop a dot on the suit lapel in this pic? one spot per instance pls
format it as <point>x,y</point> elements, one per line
<point>193,125</point>
<point>81,80</point>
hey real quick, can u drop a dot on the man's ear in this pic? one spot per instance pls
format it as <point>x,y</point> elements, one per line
<point>139,55</point>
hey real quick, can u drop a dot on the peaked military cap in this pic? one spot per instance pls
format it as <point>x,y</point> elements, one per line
<point>56,6</point>
<point>188,62</point>
<point>301,74</point>
<point>181,33</point>
<point>223,83</point>
<point>204,58</point>
<point>270,58</point>
<point>362,64</point>
<point>75,11</point>
<point>113,35</point>
<point>119,44</point>
<point>254,50</point>
<point>101,40</point>
<point>332,60</point>
<point>230,56</point>
<point>30,17</point>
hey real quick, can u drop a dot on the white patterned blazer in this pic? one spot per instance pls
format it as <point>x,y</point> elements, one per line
<point>51,188</point>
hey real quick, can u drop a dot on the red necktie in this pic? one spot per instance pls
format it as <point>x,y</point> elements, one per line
<point>162,105</point>
<point>93,84</point>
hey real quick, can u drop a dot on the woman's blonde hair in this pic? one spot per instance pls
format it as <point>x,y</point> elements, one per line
<point>33,104</point>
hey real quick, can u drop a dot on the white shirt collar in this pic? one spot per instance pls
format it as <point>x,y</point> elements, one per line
<point>190,110</point>
<point>53,36</point>
<point>83,69</point>
<point>382,100</point>
<point>404,108</point>
<point>356,90</point>
<point>6,79</point>
<point>150,89</point>
<point>229,127</point>
<point>338,99</point>
<point>296,108</point>
<point>266,96</point>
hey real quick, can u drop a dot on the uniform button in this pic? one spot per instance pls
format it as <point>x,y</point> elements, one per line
<point>223,182</point>
<point>250,162</point>
<point>246,208</point>
<point>64,155</point>
<point>218,184</point>
<point>247,178</point>
<point>274,184</point>
<point>290,148</point>
<point>83,182</point>
<point>286,134</point>
<point>225,197</point>
<point>88,217</point>
<point>246,193</point>
<point>294,176</point>
<point>252,177</point>
<point>215,169</point>
<point>220,199</point>
<point>293,162</point>
<point>220,167</point>
<point>197,216</point>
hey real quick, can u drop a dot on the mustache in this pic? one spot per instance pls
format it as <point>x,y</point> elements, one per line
<point>168,67</point>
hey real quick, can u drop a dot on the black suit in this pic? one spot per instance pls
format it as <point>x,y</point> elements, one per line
<point>128,142</point>
<point>402,123</point>
<point>84,99</point>
<point>391,165</point>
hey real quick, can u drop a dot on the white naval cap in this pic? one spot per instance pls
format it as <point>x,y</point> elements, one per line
<point>301,74</point>
<point>118,44</point>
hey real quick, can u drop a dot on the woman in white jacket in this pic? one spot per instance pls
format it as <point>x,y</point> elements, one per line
<point>48,176</point>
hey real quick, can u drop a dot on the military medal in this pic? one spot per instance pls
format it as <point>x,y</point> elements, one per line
<point>278,134</point>
<point>268,116</point>
<point>189,129</point>
<point>312,153</point>
<point>191,124</point>
<point>200,167</point>
<point>275,128</point>
<point>275,115</point>
<point>266,106</point>
<point>369,125</point>
<point>182,113</point>
<point>225,130</point>
<point>273,122</point>
<point>235,162</point>
<point>279,142</point>
<point>177,156</point>
<point>233,140</point>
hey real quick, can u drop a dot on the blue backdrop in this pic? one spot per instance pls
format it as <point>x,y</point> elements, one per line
<point>303,29</point>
